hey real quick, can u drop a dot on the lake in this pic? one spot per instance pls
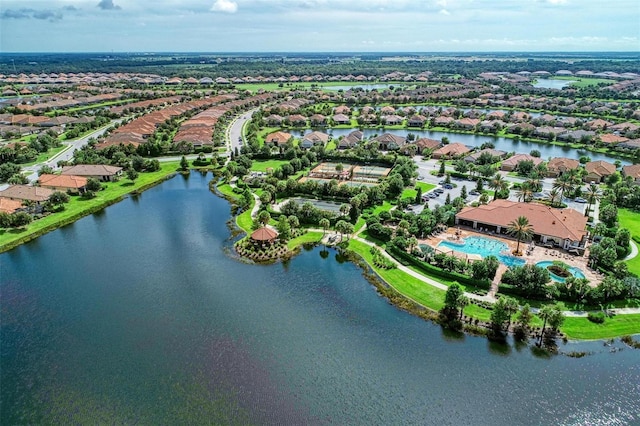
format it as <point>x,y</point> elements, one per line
<point>141,314</point>
<point>547,151</point>
<point>548,83</point>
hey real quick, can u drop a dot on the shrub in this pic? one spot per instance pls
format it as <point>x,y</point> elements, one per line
<point>596,317</point>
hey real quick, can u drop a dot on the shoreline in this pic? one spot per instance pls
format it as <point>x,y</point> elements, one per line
<point>167,171</point>
<point>427,308</point>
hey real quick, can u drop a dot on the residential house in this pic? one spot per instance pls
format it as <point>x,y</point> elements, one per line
<point>341,119</point>
<point>318,120</point>
<point>577,136</point>
<point>29,193</point>
<point>342,109</point>
<point>560,165</point>
<point>598,171</point>
<point>466,123</point>
<point>100,172</point>
<point>391,120</point>
<point>351,140</point>
<point>442,121</point>
<point>297,120</point>
<point>610,139</point>
<point>8,205</point>
<point>314,138</point>
<point>65,183</point>
<point>511,163</point>
<point>388,141</point>
<point>565,227</point>
<point>451,150</point>
<point>387,110</point>
<point>597,124</point>
<point>416,121</point>
<point>427,144</point>
<point>274,120</point>
<point>495,154</point>
<point>278,138</point>
<point>633,171</point>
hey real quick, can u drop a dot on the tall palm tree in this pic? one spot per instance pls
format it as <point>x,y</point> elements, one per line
<point>525,193</point>
<point>554,196</point>
<point>564,184</point>
<point>498,183</point>
<point>521,229</point>
<point>592,195</point>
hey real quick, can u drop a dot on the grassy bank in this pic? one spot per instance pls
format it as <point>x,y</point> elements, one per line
<point>631,220</point>
<point>77,207</point>
<point>619,325</point>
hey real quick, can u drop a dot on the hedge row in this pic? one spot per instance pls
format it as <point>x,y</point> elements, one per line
<point>407,259</point>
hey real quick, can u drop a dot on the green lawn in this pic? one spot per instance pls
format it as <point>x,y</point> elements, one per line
<point>262,166</point>
<point>584,82</point>
<point>619,325</point>
<point>308,237</point>
<point>78,207</point>
<point>45,156</point>
<point>631,220</point>
<point>412,192</point>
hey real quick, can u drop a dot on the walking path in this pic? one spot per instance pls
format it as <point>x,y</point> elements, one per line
<point>634,251</point>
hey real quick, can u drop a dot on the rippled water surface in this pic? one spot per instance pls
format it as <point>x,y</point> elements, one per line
<point>138,315</point>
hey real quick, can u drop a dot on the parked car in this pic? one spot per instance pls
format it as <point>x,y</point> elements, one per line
<point>474,192</point>
<point>580,200</point>
<point>447,186</point>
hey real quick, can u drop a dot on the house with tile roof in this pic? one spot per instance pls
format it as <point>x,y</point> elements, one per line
<point>560,165</point>
<point>101,172</point>
<point>64,183</point>
<point>21,193</point>
<point>451,150</point>
<point>278,138</point>
<point>633,171</point>
<point>598,171</point>
<point>565,227</point>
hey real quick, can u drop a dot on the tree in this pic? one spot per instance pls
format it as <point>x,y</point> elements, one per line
<point>499,315</point>
<point>264,217</point>
<point>45,170</point>
<point>18,179</point>
<point>93,184</point>
<point>522,322</point>
<point>324,223</point>
<point>564,184</point>
<point>283,227</point>
<point>520,229</point>
<point>344,227</point>
<point>184,164</point>
<point>58,198</point>
<point>551,314</point>
<point>498,183</point>
<point>20,219</point>
<point>525,193</point>
<point>265,197</point>
<point>344,209</point>
<point>132,174</point>
<point>453,297</point>
<point>609,215</point>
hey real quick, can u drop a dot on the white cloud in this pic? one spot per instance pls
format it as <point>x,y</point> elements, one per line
<point>225,6</point>
<point>444,12</point>
<point>557,1</point>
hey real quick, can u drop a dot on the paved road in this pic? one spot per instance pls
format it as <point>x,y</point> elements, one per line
<point>425,167</point>
<point>67,154</point>
<point>235,138</point>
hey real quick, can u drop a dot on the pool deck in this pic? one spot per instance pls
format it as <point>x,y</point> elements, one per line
<point>537,254</point>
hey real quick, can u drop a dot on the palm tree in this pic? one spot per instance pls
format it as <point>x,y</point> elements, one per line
<point>554,196</point>
<point>564,184</point>
<point>498,183</point>
<point>324,223</point>
<point>521,229</point>
<point>525,193</point>
<point>592,195</point>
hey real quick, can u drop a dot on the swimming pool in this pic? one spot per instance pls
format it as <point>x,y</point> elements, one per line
<point>484,247</point>
<point>576,272</point>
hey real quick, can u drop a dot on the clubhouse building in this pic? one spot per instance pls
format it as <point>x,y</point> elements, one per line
<point>561,227</point>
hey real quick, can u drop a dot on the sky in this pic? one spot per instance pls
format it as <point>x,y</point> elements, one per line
<point>319,25</point>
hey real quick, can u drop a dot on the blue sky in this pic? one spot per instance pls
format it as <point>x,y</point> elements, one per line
<point>319,25</point>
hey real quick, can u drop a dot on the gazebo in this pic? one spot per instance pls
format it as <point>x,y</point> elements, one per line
<point>264,235</point>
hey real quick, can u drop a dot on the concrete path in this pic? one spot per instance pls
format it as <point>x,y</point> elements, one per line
<point>634,251</point>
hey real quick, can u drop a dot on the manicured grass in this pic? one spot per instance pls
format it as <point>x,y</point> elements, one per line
<point>262,166</point>
<point>88,107</point>
<point>244,219</point>
<point>412,192</point>
<point>77,207</point>
<point>309,237</point>
<point>619,325</point>
<point>631,220</point>
<point>44,156</point>
<point>584,82</point>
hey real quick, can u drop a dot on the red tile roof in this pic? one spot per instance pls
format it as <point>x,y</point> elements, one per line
<point>559,223</point>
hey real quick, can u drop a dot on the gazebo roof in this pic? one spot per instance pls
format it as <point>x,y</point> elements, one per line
<point>264,234</point>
